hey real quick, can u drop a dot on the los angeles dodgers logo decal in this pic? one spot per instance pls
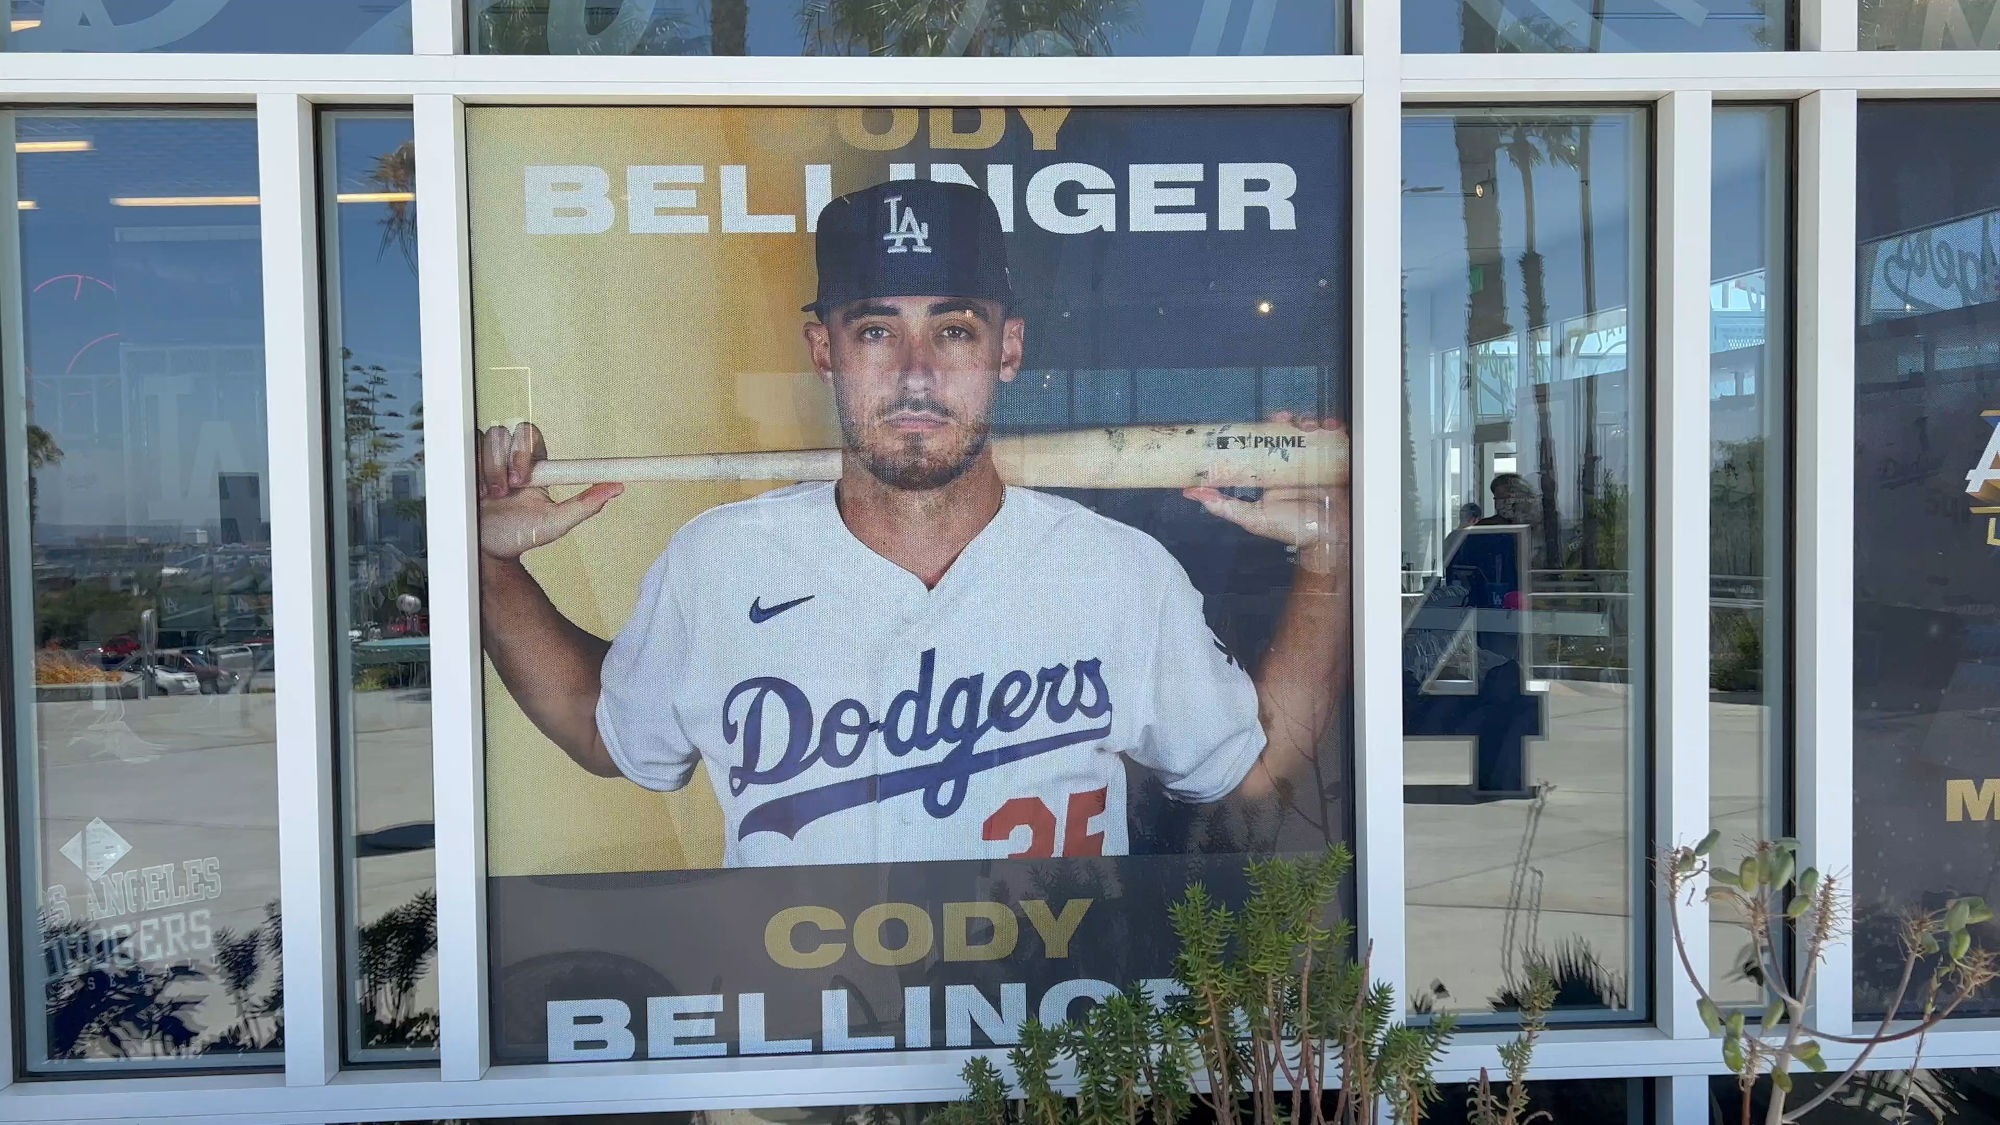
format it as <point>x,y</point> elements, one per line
<point>906,234</point>
<point>1073,698</point>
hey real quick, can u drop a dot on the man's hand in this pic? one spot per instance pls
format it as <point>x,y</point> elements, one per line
<point>515,517</point>
<point>1314,520</point>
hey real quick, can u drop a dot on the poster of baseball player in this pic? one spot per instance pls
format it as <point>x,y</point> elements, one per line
<point>913,546</point>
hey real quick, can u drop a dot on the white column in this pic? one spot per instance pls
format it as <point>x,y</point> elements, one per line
<point>458,738</point>
<point>1377,426</point>
<point>437,27</point>
<point>1825,500</point>
<point>1680,522</point>
<point>293,366</point>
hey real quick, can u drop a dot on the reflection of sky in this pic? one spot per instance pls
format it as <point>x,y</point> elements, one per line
<point>297,26</point>
<point>377,298</point>
<point>1434,232</point>
<point>144,323</point>
<point>1151,27</point>
<point>1527,26</point>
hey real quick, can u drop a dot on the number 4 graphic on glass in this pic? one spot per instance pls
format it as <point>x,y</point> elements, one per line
<point>1039,819</point>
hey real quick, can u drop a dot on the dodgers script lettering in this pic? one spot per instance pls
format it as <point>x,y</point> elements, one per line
<point>1070,697</point>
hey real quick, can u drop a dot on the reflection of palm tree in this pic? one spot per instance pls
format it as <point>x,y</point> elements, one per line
<point>395,173</point>
<point>42,451</point>
<point>1527,146</point>
<point>962,27</point>
<point>729,27</point>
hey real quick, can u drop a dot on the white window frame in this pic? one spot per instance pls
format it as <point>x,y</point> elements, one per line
<point>1825,80</point>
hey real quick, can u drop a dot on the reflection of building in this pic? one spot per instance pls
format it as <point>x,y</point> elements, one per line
<point>239,502</point>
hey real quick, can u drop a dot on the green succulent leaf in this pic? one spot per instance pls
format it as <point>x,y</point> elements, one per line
<point>1750,874</point>
<point>1796,908</point>
<point>1781,1080</point>
<point>1958,914</point>
<point>1732,1056</point>
<point>1710,1018</point>
<point>1708,842</point>
<point>1781,868</point>
<point>1773,1013</point>
<point>1961,944</point>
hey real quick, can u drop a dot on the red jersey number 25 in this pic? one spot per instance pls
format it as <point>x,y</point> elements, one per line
<point>1034,814</point>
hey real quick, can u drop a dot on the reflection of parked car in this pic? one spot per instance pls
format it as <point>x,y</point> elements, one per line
<point>164,681</point>
<point>211,678</point>
<point>115,650</point>
<point>237,660</point>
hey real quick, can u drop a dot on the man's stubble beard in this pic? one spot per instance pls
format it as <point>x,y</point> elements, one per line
<point>906,464</point>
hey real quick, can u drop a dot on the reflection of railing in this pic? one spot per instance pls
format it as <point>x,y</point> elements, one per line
<point>1581,630</point>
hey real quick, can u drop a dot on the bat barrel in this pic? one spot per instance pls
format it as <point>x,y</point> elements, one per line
<point>1225,455</point>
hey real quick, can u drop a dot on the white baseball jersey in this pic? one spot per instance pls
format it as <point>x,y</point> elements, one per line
<point>849,714</point>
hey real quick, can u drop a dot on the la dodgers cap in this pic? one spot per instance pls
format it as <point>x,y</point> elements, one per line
<point>910,238</point>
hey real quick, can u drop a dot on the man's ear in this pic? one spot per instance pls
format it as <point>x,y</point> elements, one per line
<point>819,342</point>
<point>1013,343</point>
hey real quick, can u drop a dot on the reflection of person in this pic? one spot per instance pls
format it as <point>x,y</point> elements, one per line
<point>1514,500</point>
<point>1468,514</point>
<point>915,662</point>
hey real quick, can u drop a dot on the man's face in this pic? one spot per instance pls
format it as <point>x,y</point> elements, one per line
<point>914,378</point>
<point>1516,505</point>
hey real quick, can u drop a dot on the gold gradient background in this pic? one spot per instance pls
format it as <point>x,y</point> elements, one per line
<point>619,344</point>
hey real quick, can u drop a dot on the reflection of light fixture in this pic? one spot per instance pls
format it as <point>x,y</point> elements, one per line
<point>1479,189</point>
<point>24,205</point>
<point>24,25</point>
<point>376,196</point>
<point>52,146</point>
<point>1263,308</point>
<point>184,201</point>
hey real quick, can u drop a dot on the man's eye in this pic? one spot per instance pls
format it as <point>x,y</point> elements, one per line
<point>874,332</point>
<point>957,332</point>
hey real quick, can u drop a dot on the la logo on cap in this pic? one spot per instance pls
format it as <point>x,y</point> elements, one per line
<point>906,234</point>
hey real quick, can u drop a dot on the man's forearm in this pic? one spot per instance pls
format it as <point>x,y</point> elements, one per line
<point>1302,679</point>
<point>550,666</point>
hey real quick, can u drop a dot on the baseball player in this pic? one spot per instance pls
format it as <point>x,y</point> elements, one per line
<point>916,661</point>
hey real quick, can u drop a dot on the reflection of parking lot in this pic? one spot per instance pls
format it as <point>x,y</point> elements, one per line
<point>1487,882</point>
<point>184,778</point>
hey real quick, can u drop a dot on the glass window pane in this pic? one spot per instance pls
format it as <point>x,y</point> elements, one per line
<point>1484,27</point>
<point>311,27</point>
<point>381,595</point>
<point>1926,523</point>
<point>1524,236</point>
<point>907,27</point>
<point>145,762</point>
<point>869,765</point>
<point>1930,25</point>
<point>1749,400</point>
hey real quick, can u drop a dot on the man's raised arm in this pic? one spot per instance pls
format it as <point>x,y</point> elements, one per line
<point>549,665</point>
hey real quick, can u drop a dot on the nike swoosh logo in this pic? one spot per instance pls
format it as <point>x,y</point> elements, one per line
<point>759,615</point>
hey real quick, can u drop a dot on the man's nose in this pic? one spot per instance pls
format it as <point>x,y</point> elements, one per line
<point>919,366</point>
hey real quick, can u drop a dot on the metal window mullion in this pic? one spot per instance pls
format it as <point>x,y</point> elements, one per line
<point>437,26</point>
<point>293,367</point>
<point>1829,25</point>
<point>1376,488</point>
<point>20,636</point>
<point>458,742</point>
<point>1681,1100</point>
<point>1684,146</point>
<point>1825,531</point>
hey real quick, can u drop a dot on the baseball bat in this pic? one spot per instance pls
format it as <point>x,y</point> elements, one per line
<point>1218,455</point>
